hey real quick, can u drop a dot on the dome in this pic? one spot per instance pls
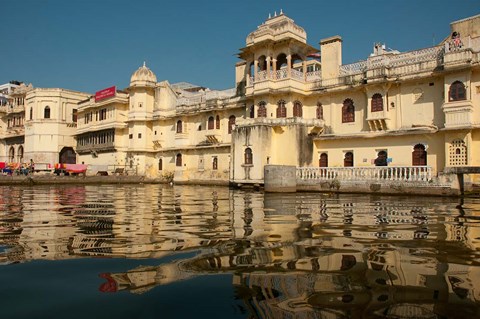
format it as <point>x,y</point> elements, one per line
<point>143,77</point>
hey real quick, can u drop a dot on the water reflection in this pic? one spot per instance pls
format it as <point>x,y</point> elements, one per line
<point>291,255</point>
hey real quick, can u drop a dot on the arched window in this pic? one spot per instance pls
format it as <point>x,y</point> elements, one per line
<point>231,123</point>
<point>248,156</point>
<point>457,153</point>
<point>319,111</point>
<point>297,109</point>
<point>31,113</point>
<point>381,159</point>
<point>348,159</point>
<point>323,162</point>
<point>251,111</point>
<point>211,123</point>
<point>419,155</point>
<point>377,103</point>
<point>281,109</point>
<point>20,154</point>
<point>281,63</point>
<point>178,160</point>
<point>11,154</point>
<point>348,111</point>
<point>160,164</point>
<point>217,122</point>
<point>457,92</point>
<point>262,109</point>
<point>46,112</point>
<point>179,126</point>
<point>215,163</point>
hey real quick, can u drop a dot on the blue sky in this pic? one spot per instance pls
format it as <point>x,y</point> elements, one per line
<point>93,44</point>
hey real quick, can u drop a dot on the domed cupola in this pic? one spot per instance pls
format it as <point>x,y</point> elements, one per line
<point>143,77</point>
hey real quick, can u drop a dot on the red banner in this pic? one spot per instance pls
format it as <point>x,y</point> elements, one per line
<point>105,93</point>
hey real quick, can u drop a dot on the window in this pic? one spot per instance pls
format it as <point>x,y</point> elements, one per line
<point>11,154</point>
<point>319,111</point>
<point>458,153</point>
<point>381,159</point>
<point>248,156</point>
<point>211,123</point>
<point>377,103</point>
<point>179,126</point>
<point>46,112</point>
<point>348,111</point>
<point>262,109</point>
<point>297,109</point>
<point>231,124</point>
<point>252,112</point>
<point>74,116</point>
<point>323,162</point>
<point>178,160</point>
<point>348,159</point>
<point>31,113</point>
<point>160,164</point>
<point>217,122</point>
<point>215,163</point>
<point>281,109</point>
<point>139,135</point>
<point>457,92</point>
<point>419,155</point>
<point>130,136</point>
<point>103,114</point>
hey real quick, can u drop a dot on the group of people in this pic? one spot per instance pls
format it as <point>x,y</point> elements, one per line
<point>19,169</point>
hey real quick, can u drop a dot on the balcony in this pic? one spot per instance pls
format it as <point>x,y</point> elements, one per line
<point>95,148</point>
<point>14,132</point>
<point>458,114</point>
<point>284,121</point>
<point>392,173</point>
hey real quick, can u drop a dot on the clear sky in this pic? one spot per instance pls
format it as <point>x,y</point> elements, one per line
<point>88,45</point>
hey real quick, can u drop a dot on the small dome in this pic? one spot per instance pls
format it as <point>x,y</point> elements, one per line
<point>143,76</point>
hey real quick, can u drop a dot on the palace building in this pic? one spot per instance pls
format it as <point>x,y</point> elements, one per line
<point>293,104</point>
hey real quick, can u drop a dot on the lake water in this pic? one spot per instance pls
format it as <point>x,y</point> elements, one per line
<point>155,251</point>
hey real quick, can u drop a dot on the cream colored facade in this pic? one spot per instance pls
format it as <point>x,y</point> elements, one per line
<point>288,107</point>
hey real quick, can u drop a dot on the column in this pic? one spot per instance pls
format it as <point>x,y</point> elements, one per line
<point>289,65</point>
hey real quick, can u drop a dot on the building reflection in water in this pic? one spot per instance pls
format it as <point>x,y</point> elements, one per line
<point>301,255</point>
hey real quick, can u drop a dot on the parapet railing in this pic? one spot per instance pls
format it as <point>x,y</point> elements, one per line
<point>385,173</point>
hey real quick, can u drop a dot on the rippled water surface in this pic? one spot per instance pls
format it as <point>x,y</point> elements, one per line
<point>152,251</point>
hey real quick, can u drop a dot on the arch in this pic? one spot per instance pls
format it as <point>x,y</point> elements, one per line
<point>178,160</point>
<point>457,153</point>
<point>217,122</point>
<point>20,154</point>
<point>323,161</point>
<point>348,111</point>
<point>297,109</point>
<point>319,111</point>
<point>211,123</point>
<point>262,109</point>
<point>179,126</point>
<point>296,60</point>
<point>419,155</point>
<point>262,63</point>
<point>281,109</point>
<point>251,67</point>
<point>457,92</point>
<point>11,154</point>
<point>46,112</point>
<point>376,103</point>
<point>160,164</point>
<point>67,156</point>
<point>381,159</point>
<point>215,163</point>
<point>348,159</point>
<point>231,123</point>
<point>248,156</point>
<point>251,111</point>
<point>281,61</point>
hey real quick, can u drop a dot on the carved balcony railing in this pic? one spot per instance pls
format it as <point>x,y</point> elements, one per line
<point>384,173</point>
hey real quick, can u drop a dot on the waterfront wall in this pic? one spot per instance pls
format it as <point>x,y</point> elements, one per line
<point>391,180</point>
